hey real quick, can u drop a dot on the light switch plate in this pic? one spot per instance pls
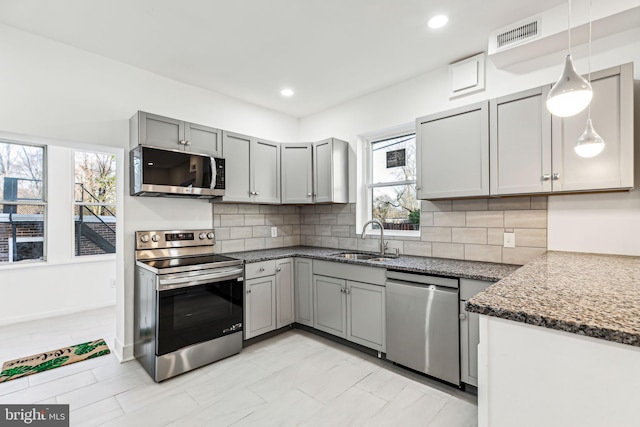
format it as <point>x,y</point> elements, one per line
<point>509,240</point>
<point>274,231</point>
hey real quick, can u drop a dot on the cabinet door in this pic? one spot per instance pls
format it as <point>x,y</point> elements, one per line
<point>323,171</point>
<point>469,340</point>
<point>265,170</point>
<point>612,117</point>
<point>520,143</point>
<point>366,315</point>
<point>453,153</point>
<point>203,139</point>
<point>329,305</point>
<point>236,151</point>
<point>304,291</point>
<point>260,301</point>
<point>161,131</point>
<point>297,176</point>
<point>284,292</point>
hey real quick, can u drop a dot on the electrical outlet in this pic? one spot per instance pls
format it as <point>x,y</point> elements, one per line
<point>113,283</point>
<point>509,240</point>
<point>274,231</point>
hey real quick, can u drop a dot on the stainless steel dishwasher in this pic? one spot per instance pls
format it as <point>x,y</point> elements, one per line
<point>422,324</point>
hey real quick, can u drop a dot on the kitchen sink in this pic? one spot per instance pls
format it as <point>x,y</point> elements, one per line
<point>361,256</point>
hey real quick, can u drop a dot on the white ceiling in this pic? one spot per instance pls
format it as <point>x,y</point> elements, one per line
<point>328,51</point>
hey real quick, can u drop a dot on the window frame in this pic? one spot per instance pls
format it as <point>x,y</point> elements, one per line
<point>365,213</point>
<point>43,203</point>
<point>81,205</point>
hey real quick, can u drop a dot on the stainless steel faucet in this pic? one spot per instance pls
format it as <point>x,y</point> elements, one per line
<point>364,229</point>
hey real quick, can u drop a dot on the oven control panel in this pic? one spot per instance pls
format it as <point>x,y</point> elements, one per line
<point>160,239</point>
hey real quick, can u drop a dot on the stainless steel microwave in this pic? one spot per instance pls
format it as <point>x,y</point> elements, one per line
<point>163,172</point>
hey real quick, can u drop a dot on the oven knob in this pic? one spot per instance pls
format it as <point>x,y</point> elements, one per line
<point>209,235</point>
<point>144,238</point>
<point>155,238</point>
<point>202,236</point>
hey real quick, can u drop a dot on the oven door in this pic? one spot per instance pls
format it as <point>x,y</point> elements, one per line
<point>194,308</point>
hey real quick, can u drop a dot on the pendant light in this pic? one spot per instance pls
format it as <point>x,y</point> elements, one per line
<point>571,93</point>
<point>589,144</point>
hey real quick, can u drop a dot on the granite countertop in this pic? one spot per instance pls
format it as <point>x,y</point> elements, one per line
<point>437,266</point>
<point>586,294</point>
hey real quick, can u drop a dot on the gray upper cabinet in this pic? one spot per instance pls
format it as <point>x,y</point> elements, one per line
<point>520,143</point>
<point>253,169</point>
<point>331,171</point>
<point>297,173</point>
<point>612,117</point>
<point>165,132</point>
<point>453,153</point>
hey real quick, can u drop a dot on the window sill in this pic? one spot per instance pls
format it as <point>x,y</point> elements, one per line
<point>45,264</point>
<point>392,233</point>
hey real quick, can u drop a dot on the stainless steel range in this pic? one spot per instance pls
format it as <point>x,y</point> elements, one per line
<point>188,302</point>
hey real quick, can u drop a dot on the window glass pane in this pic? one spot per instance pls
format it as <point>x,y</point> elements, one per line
<point>95,230</point>
<point>394,159</point>
<point>95,177</point>
<point>95,185</point>
<point>396,207</point>
<point>21,233</point>
<point>21,172</point>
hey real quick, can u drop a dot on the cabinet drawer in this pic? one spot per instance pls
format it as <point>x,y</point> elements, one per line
<point>470,287</point>
<point>259,269</point>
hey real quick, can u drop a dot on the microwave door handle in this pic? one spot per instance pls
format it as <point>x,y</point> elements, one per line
<point>183,282</point>
<point>214,173</point>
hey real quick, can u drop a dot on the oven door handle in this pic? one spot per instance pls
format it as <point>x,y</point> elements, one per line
<point>184,282</point>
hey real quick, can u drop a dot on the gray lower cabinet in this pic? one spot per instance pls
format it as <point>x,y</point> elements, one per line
<point>348,308</point>
<point>166,132</point>
<point>253,169</point>
<point>260,303</point>
<point>330,305</point>
<point>284,292</point>
<point>366,315</point>
<point>469,331</point>
<point>303,291</point>
<point>269,296</point>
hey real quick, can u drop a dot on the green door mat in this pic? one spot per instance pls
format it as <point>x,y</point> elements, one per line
<point>52,359</point>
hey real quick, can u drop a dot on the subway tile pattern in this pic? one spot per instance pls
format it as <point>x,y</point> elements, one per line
<point>458,229</point>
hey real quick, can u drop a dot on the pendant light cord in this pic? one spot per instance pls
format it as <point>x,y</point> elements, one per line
<point>589,64</point>
<point>569,29</point>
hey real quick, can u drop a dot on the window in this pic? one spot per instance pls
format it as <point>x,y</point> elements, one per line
<point>22,202</point>
<point>392,184</point>
<point>95,203</point>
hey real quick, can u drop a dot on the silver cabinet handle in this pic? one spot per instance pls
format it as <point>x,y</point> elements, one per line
<point>279,269</point>
<point>248,291</point>
<point>308,194</point>
<point>342,290</point>
<point>261,268</point>
<point>462,316</point>
<point>256,193</point>
<point>418,188</point>
<point>555,176</point>
<point>545,177</point>
<point>347,291</point>
<point>184,142</point>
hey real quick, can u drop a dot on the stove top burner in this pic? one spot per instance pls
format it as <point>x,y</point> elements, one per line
<point>188,261</point>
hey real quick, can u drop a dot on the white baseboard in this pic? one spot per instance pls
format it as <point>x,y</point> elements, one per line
<point>124,353</point>
<point>53,313</point>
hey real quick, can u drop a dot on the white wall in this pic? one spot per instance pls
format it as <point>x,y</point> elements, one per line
<point>606,223</point>
<point>59,92</point>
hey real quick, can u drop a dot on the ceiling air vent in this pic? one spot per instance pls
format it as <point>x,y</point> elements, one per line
<point>515,35</point>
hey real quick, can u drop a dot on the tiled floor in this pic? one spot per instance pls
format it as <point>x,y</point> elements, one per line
<point>295,378</point>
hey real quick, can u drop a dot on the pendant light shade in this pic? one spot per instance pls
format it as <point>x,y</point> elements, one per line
<point>589,144</point>
<point>571,93</point>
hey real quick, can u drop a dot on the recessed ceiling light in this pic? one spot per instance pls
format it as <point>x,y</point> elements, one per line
<point>286,92</point>
<point>438,21</point>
